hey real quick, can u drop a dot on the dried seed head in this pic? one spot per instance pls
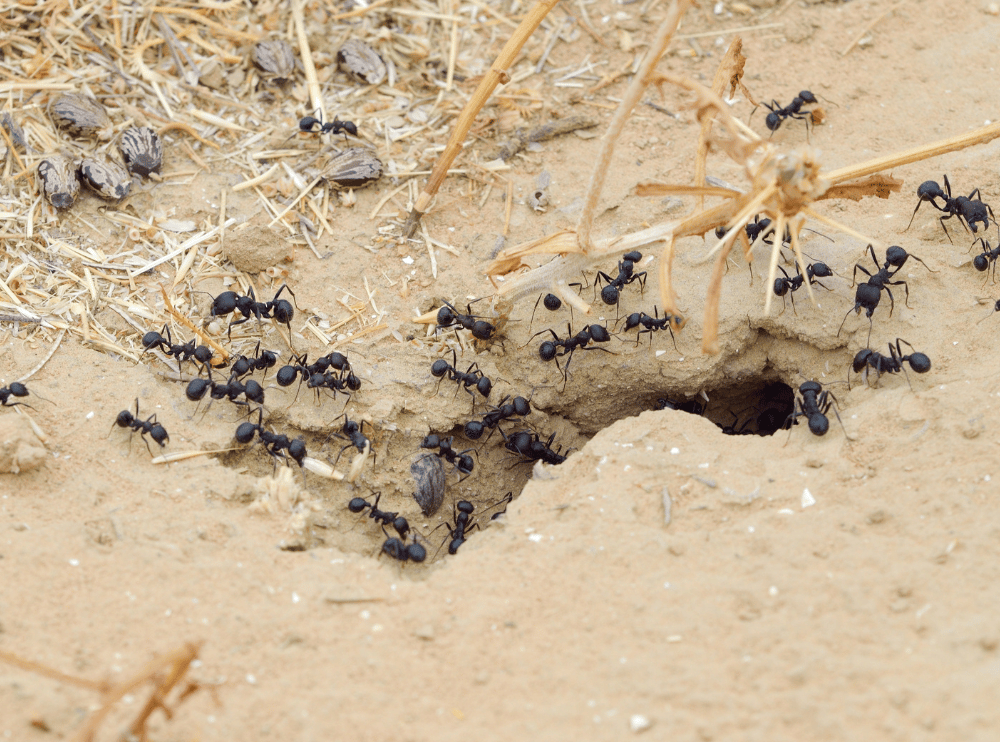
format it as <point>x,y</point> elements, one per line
<point>428,472</point>
<point>275,59</point>
<point>361,62</point>
<point>142,150</point>
<point>353,168</point>
<point>106,177</point>
<point>59,182</point>
<point>81,116</point>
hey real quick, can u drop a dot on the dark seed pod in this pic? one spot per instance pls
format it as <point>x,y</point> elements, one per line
<point>81,116</point>
<point>361,62</point>
<point>353,168</point>
<point>142,151</point>
<point>14,131</point>
<point>107,178</point>
<point>59,182</point>
<point>275,59</point>
<point>428,472</point>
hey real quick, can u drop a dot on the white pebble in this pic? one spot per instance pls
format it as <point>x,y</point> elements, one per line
<point>639,723</point>
<point>807,498</point>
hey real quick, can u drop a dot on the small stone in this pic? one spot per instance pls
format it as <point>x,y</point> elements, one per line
<point>815,463</point>
<point>425,632</point>
<point>639,723</point>
<point>20,450</point>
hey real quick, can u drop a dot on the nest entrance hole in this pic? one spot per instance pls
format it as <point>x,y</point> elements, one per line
<point>758,407</point>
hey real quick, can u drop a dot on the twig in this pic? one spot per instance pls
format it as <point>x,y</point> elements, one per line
<point>631,97</point>
<point>496,75</point>
<point>45,359</point>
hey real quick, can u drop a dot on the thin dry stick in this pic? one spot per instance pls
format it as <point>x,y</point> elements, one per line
<point>496,75</point>
<point>631,97</point>
<point>307,61</point>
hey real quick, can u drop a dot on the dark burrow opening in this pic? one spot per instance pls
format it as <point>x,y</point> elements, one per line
<point>755,408</point>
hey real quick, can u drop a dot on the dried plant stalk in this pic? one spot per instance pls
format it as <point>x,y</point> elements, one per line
<point>496,75</point>
<point>630,98</point>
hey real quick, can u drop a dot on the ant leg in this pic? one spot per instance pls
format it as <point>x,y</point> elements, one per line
<point>946,230</point>
<point>829,400</point>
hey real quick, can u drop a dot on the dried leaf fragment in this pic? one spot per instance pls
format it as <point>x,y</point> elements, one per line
<point>878,185</point>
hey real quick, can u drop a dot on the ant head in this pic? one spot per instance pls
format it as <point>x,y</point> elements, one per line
<point>547,351</point>
<point>124,418</point>
<point>151,339</point>
<point>353,381</point>
<point>598,333</point>
<point>861,359</point>
<point>446,316</point>
<point>808,97</point>
<point>464,506</point>
<point>484,386</point>
<point>820,270</point>
<point>474,430</point>
<point>895,255</point>
<point>781,286</point>
<point>519,442</point>
<point>633,256</point>
<point>245,432</point>
<point>350,426</point>
<point>609,295</point>
<point>297,450</point>
<point>482,330</point>
<point>225,303</point>
<point>810,386</point>
<point>415,552</point>
<point>867,296</point>
<point>431,441</point>
<point>465,465</point>
<point>267,360</point>
<point>197,388</point>
<point>18,389</point>
<point>254,392</point>
<point>632,321</point>
<point>720,232</point>
<point>773,121</point>
<point>928,190</point>
<point>394,548</point>
<point>440,368</point>
<point>521,406</point>
<point>283,311</point>
<point>552,302</point>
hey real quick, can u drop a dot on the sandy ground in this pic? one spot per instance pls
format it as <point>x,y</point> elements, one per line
<point>667,582</point>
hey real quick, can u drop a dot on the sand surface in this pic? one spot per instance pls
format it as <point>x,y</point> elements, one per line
<point>667,581</point>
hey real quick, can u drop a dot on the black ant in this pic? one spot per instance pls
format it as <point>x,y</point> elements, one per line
<point>611,292</point>
<point>384,517</point>
<point>791,284</point>
<point>867,358</point>
<point>517,407</point>
<point>814,403</point>
<point>181,352</point>
<point>351,432</point>
<point>346,383</point>
<point>969,209</point>
<point>280,310</point>
<point>17,390</point>
<point>448,316</point>
<point>732,429</point>
<point>232,389</point>
<point>398,549</point>
<point>462,518</point>
<point>530,447</point>
<point>308,125</point>
<point>987,258</point>
<point>472,377</point>
<point>461,461</point>
<point>279,446</point>
<point>259,361</point>
<point>755,229</point>
<point>150,426</point>
<point>549,350</point>
<point>779,114</point>
<point>651,324</point>
<point>869,293</point>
